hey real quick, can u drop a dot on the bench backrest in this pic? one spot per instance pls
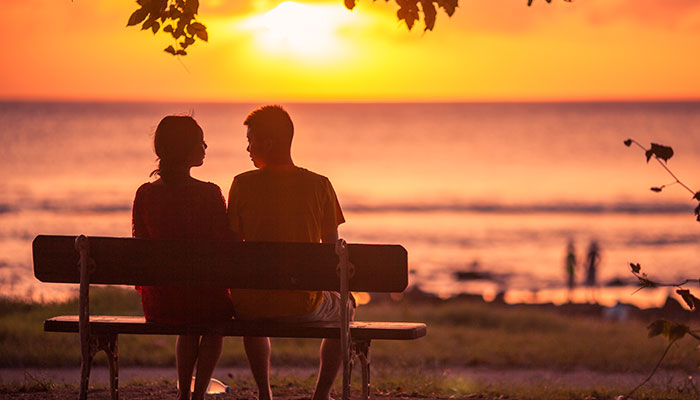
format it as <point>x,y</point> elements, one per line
<point>234,264</point>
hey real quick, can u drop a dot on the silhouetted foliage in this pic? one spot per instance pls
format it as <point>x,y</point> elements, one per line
<point>662,154</point>
<point>673,331</point>
<point>178,17</point>
<point>660,151</point>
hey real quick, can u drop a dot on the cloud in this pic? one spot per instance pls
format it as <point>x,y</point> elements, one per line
<point>653,13</point>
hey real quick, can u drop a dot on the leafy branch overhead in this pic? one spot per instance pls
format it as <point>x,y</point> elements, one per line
<point>177,17</point>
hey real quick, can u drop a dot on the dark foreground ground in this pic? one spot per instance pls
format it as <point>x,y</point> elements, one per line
<point>295,383</point>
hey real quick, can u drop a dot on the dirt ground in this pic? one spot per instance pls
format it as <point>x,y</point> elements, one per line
<point>151,392</point>
<point>159,382</point>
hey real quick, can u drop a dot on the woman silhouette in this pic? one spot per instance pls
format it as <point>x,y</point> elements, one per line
<point>179,206</point>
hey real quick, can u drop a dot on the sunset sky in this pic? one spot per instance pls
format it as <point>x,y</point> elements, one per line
<point>490,50</point>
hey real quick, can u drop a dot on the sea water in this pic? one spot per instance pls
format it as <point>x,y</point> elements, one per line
<point>495,190</point>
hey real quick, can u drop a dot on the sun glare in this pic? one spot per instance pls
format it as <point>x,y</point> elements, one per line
<point>302,29</point>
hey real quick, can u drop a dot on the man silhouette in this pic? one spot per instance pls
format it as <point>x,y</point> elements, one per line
<point>280,202</point>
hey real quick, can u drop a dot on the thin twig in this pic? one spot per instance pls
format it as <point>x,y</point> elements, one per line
<point>674,176</point>
<point>679,284</point>
<point>655,368</point>
<point>663,164</point>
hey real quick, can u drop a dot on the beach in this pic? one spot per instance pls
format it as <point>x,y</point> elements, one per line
<point>473,349</point>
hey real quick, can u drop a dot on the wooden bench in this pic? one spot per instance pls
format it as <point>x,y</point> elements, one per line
<point>239,265</point>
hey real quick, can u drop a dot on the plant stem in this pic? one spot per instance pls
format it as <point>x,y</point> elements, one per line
<point>674,176</point>
<point>665,167</point>
<point>653,371</point>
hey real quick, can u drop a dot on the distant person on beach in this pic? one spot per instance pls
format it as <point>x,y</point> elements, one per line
<point>570,268</point>
<point>281,202</point>
<point>592,263</point>
<point>178,206</point>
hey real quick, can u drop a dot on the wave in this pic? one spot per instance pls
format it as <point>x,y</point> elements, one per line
<point>63,206</point>
<point>553,208</point>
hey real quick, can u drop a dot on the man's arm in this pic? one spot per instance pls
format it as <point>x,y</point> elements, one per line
<point>330,237</point>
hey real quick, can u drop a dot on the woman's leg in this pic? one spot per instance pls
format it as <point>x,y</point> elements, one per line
<point>185,357</point>
<point>257,349</point>
<point>209,352</point>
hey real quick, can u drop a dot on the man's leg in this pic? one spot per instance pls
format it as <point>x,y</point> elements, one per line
<point>331,358</point>
<point>257,349</point>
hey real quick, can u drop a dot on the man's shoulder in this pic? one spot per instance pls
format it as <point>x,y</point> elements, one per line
<point>298,172</point>
<point>246,176</point>
<point>311,175</point>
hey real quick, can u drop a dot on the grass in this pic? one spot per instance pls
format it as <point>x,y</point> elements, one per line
<point>459,334</point>
<point>32,384</point>
<point>405,385</point>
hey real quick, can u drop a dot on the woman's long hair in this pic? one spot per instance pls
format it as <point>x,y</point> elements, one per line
<point>175,140</point>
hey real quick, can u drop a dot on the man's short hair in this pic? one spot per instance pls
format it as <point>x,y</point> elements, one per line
<point>271,122</point>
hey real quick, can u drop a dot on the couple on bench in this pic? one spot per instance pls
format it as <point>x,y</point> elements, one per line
<point>276,202</point>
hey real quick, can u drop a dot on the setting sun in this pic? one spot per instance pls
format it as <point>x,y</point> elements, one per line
<point>301,29</point>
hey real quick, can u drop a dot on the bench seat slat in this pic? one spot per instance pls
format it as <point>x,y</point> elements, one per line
<point>107,324</point>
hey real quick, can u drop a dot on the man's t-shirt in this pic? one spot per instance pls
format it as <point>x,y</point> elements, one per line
<point>281,204</point>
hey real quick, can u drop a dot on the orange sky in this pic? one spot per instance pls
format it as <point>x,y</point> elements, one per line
<point>490,50</point>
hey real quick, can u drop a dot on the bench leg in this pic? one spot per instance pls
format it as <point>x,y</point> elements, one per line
<point>347,376</point>
<point>362,353</point>
<point>88,350</point>
<point>109,344</point>
<point>85,365</point>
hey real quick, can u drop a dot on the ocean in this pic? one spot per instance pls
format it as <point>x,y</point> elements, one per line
<point>484,196</point>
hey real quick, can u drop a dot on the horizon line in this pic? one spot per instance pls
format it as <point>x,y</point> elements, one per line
<point>357,101</point>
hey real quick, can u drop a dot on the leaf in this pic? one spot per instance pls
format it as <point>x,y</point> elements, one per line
<point>189,41</point>
<point>155,27</point>
<point>429,14</point>
<point>697,212</point>
<point>174,13</point>
<point>660,151</point>
<point>635,268</point>
<point>696,196</point>
<point>170,50</point>
<point>688,297</point>
<point>628,142</point>
<point>146,25</point>
<point>196,26</point>
<point>676,331</point>
<point>448,5</point>
<point>529,3</point>
<point>655,189</point>
<point>671,330</point>
<point>181,53</point>
<point>350,4</point>
<point>203,35</point>
<point>656,328</point>
<point>191,6</point>
<point>168,28</point>
<point>138,16</point>
<point>408,12</point>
